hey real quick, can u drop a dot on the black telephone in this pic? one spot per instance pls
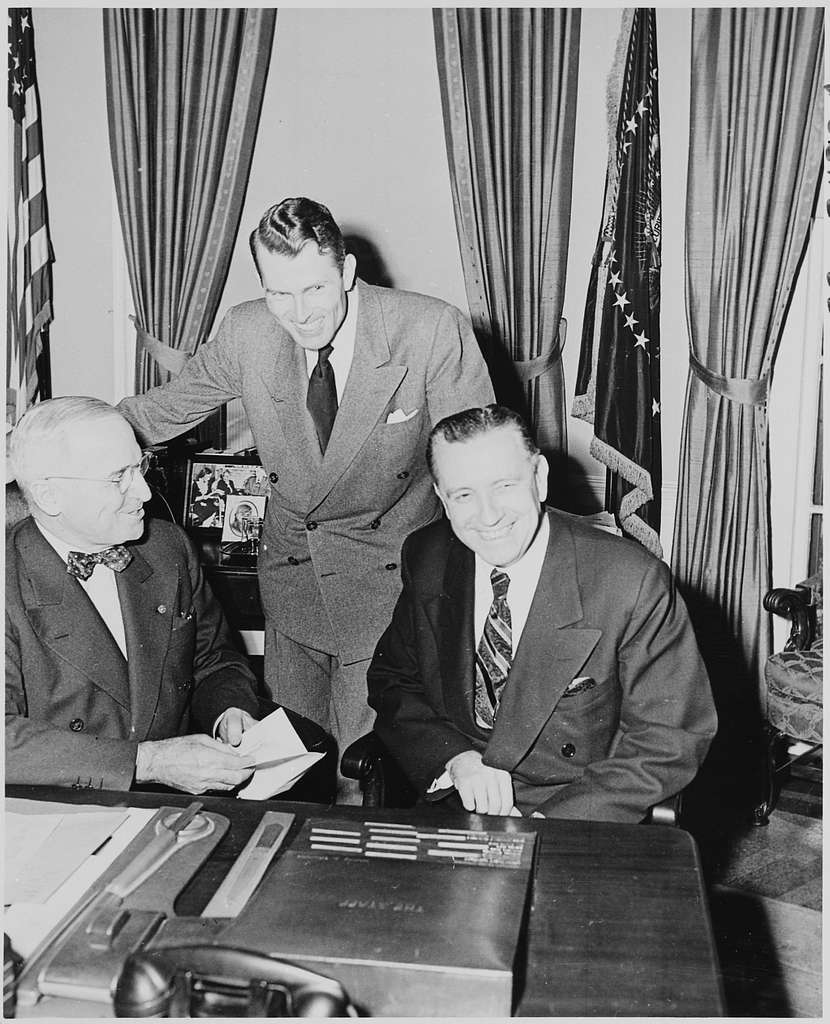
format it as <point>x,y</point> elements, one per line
<point>222,981</point>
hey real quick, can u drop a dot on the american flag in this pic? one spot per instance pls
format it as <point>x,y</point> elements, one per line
<point>29,271</point>
<point>618,380</point>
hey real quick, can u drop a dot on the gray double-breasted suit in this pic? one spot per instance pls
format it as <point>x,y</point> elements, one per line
<point>335,523</point>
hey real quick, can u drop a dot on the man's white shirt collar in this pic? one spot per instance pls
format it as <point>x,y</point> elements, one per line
<point>59,545</point>
<point>524,578</point>
<point>101,587</point>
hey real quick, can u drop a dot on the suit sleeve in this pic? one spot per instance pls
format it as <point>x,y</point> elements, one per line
<point>667,715</point>
<point>38,754</point>
<point>209,379</point>
<point>457,376</point>
<point>412,723</point>
<point>222,678</point>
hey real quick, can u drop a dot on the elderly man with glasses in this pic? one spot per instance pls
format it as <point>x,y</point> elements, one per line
<point>119,665</point>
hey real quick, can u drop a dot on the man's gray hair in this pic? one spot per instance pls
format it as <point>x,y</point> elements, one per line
<point>42,435</point>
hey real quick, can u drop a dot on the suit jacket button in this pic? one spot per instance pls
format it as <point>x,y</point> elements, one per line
<point>76,725</point>
<point>391,565</point>
<point>403,474</point>
<point>293,561</point>
<point>568,750</point>
<point>375,523</point>
<point>311,526</point>
<point>273,477</point>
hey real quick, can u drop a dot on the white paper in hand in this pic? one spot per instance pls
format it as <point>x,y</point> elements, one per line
<point>278,755</point>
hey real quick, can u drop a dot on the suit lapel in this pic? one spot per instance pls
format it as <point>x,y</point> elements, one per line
<point>147,609</point>
<point>66,621</point>
<point>285,375</point>
<point>550,654</point>
<point>371,383</point>
<point>451,613</point>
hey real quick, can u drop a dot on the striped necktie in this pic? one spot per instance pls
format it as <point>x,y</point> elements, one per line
<point>495,653</point>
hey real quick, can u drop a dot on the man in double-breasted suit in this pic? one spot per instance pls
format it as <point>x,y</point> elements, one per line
<point>341,382</point>
<point>534,664</point>
<point>116,650</point>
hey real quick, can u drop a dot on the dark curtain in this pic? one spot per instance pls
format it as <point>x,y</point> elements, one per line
<point>508,89</point>
<point>184,92</point>
<point>755,157</point>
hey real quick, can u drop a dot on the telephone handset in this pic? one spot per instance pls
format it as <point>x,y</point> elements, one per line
<point>222,981</point>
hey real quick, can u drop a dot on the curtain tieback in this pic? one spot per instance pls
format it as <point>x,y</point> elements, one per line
<point>528,370</point>
<point>170,359</point>
<point>744,390</point>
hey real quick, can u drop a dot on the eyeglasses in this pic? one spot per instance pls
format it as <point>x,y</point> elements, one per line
<point>124,479</point>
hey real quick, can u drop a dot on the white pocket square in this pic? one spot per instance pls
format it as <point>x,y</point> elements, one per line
<point>578,684</point>
<point>399,416</point>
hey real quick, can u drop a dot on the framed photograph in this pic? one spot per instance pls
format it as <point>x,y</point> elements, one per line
<point>213,481</point>
<point>243,517</point>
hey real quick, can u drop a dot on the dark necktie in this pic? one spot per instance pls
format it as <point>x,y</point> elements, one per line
<point>495,653</point>
<point>322,396</point>
<point>80,564</point>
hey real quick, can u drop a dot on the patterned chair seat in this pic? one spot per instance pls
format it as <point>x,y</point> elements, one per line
<point>795,698</point>
<point>794,692</point>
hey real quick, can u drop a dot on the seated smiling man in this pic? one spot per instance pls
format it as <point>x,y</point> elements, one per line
<point>534,664</point>
<point>119,665</point>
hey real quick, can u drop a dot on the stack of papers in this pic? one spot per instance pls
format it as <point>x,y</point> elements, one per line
<point>278,755</point>
<point>53,853</point>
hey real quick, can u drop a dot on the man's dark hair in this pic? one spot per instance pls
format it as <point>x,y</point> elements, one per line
<point>462,426</point>
<point>288,226</point>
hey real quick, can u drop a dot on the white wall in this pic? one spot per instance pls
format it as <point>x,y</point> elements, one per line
<point>352,116</point>
<point>69,51</point>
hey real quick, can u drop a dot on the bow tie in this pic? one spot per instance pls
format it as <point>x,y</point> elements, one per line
<point>80,564</point>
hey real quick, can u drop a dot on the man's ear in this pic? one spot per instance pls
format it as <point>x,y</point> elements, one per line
<point>440,498</point>
<point>349,271</point>
<point>45,496</point>
<point>541,477</point>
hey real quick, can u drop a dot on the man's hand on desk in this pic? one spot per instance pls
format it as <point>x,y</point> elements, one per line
<point>193,764</point>
<point>232,724</point>
<point>482,789</point>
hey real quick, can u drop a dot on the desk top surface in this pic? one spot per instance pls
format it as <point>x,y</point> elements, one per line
<point>619,923</point>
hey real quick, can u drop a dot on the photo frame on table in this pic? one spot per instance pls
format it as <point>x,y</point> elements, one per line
<point>243,517</point>
<point>213,480</point>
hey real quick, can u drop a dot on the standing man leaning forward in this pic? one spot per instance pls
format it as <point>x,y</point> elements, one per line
<point>534,663</point>
<point>115,647</point>
<point>341,382</point>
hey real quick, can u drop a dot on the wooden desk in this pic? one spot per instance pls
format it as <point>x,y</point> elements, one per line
<point>619,926</point>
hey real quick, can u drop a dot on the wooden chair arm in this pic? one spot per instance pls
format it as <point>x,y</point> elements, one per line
<point>795,606</point>
<point>382,782</point>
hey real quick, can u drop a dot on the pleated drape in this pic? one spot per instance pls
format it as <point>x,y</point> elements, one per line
<point>754,164</point>
<point>508,90</point>
<point>184,92</point>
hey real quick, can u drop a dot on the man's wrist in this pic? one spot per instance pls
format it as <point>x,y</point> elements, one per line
<point>144,761</point>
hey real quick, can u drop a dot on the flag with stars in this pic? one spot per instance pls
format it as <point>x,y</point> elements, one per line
<point>618,380</point>
<point>28,271</point>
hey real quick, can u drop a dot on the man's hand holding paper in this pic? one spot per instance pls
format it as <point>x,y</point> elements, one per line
<point>277,755</point>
